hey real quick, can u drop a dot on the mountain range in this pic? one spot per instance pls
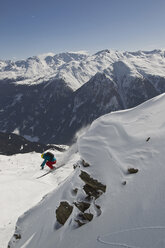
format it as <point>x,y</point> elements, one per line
<point>48,98</point>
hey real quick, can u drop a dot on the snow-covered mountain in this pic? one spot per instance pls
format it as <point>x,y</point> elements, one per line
<point>45,97</point>
<point>124,152</point>
<point>78,68</point>
<point>43,67</point>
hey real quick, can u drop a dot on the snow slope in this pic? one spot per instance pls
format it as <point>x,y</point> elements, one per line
<point>20,190</point>
<point>132,214</point>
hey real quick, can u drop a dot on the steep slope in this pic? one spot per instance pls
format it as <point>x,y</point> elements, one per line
<point>132,86</point>
<point>95,98</point>
<point>20,190</point>
<point>132,208</point>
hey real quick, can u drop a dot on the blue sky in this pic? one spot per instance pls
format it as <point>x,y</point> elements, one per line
<point>32,27</point>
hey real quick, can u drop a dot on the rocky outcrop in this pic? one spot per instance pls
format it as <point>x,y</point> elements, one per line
<point>15,239</point>
<point>93,183</point>
<point>84,218</point>
<point>84,208</point>
<point>93,190</point>
<point>85,164</point>
<point>132,170</point>
<point>17,236</point>
<point>63,212</point>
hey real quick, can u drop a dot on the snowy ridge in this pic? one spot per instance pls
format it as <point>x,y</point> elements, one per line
<point>78,68</point>
<point>133,206</point>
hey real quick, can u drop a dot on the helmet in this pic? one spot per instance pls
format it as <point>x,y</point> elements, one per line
<point>42,155</point>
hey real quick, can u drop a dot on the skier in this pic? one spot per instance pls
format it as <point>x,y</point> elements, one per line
<point>49,160</point>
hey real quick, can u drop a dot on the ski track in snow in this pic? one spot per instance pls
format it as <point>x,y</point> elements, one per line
<point>28,241</point>
<point>101,238</point>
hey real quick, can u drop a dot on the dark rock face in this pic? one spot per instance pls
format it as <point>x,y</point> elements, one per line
<point>85,164</point>
<point>93,189</point>
<point>95,98</point>
<point>132,170</point>
<point>91,192</point>
<point>82,206</point>
<point>17,236</point>
<point>13,144</point>
<point>51,112</point>
<point>32,110</point>
<point>93,183</point>
<point>100,96</point>
<point>63,212</point>
<point>84,218</point>
<point>138,92</point>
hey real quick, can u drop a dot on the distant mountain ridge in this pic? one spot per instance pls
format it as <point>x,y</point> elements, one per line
<point>77,68</point>
<point>50,97</point>
<point>14,144</point>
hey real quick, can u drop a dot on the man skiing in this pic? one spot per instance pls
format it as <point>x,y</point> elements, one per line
<point>49,160</point>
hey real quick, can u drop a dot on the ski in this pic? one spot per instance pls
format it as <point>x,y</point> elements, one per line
<point>59,166</point>
<point>55,168</point>
<point>45,174</point>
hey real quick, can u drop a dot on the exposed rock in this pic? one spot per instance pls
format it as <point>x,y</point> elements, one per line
<point>63,212</point>
<point>76,165</point>
<point>90,191</point>
<point>132,170</point>
<point>97,206</point>
<point>85,164</point>
<point>92,182</point>
<point>74,191</point>
<point>17,236</point>
<point>86,216</point>
<point>93,189</point>
<point>82,206</point>
<point>98,209</point>
<point>124,182</point>
<point>80,223</point>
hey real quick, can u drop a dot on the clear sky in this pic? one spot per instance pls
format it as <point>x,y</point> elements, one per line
<point>32,27</point>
